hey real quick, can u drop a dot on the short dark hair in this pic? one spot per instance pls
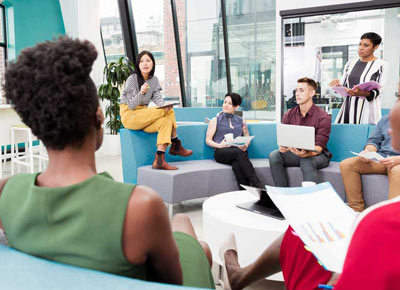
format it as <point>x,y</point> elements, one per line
<point>236,99</point>
<point>309,81</point>
<point>50,88</point>
<point>137,69</point>
<point>374,37</point>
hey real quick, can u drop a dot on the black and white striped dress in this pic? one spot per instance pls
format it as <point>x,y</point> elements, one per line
<point>362,110</point>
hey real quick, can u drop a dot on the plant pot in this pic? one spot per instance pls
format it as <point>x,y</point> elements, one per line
<point>111,145</point>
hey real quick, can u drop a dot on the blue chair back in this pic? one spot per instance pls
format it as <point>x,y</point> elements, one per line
<point>345,138</point>
<point>385,112</point>
<point>195,114</point>
<point>264,141</point>
<point>19,271</point>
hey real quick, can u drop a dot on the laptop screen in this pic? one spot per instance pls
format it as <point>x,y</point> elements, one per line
<point>260,193</point>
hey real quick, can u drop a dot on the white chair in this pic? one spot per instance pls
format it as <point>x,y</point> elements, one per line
<point>31,152</point>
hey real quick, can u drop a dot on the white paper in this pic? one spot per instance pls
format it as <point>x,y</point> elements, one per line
<point>320,218</point>
<point>374,156</point>
<point>367,86</point>
<point>239,141</point>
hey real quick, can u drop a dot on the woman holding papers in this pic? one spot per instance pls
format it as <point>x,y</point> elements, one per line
<point>362,102</point>
<point>220,134</point>
<point>141,88</point>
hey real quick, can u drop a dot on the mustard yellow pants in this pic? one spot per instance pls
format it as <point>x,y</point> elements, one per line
<point>149,120</point>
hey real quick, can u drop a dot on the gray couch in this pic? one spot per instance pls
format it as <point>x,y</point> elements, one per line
<point>204,178</point>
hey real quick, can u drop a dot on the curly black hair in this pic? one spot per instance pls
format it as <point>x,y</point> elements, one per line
<point>50,88</point>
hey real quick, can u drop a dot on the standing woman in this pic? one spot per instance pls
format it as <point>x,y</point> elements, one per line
<point>225,123</point>
<point>141,88</point>
<point>362,107</point>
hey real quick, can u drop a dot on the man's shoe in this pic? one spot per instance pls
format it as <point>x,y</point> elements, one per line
<point>160,163</point>
<point>177,149</point>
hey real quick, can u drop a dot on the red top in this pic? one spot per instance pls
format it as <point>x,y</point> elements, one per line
<point>373,257</point>
<point>300,268</point>
<point>372,261</point>
<point>315,117</point>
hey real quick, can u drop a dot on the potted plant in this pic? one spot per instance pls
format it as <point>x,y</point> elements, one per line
<point>115,74</point>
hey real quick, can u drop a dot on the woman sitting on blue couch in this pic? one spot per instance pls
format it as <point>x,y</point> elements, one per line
<point>70,213</point>
<point>228,123</point>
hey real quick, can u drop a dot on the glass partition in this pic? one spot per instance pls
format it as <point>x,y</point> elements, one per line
<point>200,30</point>
<point>320,46</point>
<point>252,51</point>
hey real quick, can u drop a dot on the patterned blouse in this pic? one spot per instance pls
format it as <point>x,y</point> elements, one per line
<point>132,96</point>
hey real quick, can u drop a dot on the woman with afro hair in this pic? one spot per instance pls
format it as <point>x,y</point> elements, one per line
<point>70,213</point>
<point>141,88</point>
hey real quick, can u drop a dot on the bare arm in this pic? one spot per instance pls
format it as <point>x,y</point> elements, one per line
<point>148,239</point>
<point>211,129</point>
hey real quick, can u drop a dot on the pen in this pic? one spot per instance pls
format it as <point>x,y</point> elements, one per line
<point>323,286</point>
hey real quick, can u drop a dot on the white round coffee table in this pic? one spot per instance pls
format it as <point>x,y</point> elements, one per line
<point>254,232</point>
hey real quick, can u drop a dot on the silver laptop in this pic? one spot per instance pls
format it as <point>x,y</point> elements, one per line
<point>300,137</point>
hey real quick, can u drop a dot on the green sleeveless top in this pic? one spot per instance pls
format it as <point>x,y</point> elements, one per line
<point>79,224</point>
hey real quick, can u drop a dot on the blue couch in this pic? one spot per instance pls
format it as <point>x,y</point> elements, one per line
<point>200,176</point>
<point>335,112</point>
<point>19,271</point>
<point>195,114</point>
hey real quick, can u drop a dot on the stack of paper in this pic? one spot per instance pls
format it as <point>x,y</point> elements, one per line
<point>374,156</point>
<point>367,86</point>
<point>320,218</point>
<point>239,141</point>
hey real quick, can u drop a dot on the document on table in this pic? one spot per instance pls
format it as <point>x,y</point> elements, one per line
<point>320,218</point>
<point>367,86</point>
<point>374,156</point>
<point>239,141</point>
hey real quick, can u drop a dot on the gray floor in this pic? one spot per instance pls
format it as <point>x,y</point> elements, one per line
<point>113,165</point>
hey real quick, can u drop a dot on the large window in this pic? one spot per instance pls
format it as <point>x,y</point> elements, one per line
<point>155,32</point>
<point>320,46</point>
<point>209,31</point>
<point>200,27</point>
<point>111,32</point>
<point>3,51</point>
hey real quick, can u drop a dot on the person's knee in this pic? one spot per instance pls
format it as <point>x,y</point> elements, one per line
<point>274,157</point>
<point>207,251</point>
<point>308,163</point>
<point>166,122</point>
<point>395,170</point>
<point>347,164</point>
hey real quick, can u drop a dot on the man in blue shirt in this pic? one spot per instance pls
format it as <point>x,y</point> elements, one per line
<point>352,168</point>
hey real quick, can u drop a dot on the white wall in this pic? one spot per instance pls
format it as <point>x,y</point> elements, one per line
<point>288,5</point>
<point>82,20</point>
